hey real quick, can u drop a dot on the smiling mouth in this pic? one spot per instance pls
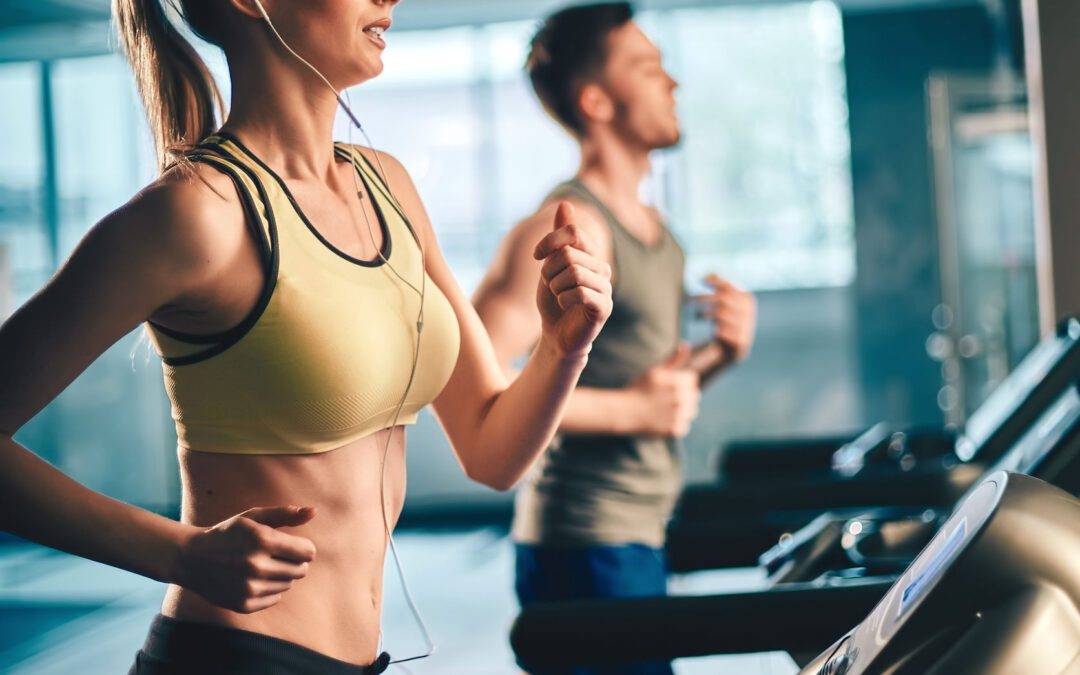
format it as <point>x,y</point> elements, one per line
<point>377,30</point>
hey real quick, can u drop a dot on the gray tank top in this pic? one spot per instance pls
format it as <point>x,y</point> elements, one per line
<point>600,489</point>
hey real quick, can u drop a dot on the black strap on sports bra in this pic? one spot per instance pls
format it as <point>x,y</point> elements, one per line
<point>268,248</point>
<point>254,220</point>
<point>380,183</point>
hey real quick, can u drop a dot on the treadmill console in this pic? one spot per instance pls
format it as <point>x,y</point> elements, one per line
<point>1011,545</point>
<point>924,573</point>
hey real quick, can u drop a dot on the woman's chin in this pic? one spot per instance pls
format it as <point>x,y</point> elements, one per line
<point>364,72</point>
<point>368,69</point>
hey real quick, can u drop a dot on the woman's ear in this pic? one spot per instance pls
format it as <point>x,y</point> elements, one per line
<point>595,105</point>
<point>251,8</point>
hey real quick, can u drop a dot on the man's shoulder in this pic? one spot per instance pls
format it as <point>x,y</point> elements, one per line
<point>585,214</point>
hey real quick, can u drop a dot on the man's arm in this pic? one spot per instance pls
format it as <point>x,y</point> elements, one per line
<point>505,302</point>
<point>708,359</point>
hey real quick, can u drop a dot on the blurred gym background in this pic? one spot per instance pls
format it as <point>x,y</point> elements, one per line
<point>865,166</point>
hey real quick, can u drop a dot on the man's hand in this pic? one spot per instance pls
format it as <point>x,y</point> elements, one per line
<point>668,396</point>
<point>734,315</point>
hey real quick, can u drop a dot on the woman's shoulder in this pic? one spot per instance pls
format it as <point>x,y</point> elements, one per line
<point>190,213</point>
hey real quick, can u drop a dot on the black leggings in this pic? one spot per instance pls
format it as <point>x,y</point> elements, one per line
<point>176,647</point>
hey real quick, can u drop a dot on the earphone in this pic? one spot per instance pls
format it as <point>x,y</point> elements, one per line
<point>430,645</point>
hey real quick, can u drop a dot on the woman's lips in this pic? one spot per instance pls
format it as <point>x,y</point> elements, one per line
<point>376,30</point>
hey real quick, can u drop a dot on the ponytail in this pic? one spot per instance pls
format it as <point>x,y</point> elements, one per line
<point>181,98</point>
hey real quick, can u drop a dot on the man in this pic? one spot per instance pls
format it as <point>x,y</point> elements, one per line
<point>590,519</point>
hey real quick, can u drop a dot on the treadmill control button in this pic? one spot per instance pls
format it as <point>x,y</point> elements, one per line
<point>840,662</point>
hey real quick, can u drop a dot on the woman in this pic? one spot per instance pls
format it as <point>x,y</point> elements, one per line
<point>290,330</point>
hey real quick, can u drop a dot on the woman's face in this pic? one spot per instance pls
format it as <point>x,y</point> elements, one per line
<point>344,39</point>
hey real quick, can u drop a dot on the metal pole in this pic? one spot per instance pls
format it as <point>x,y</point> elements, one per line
<point>1052,60</point>
<point>50,191</point>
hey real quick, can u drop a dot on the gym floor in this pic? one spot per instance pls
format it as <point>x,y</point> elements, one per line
<point>60,614</point>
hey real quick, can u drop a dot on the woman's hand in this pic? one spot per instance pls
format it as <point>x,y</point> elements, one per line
<point>574,292</point>
<point>244,563</point>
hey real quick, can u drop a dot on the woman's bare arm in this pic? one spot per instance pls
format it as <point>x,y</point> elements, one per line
<point>497,429</point>
<point>661,402</point>
<point>136,260</point>
<point>505,302</point>
<point>161,250</point>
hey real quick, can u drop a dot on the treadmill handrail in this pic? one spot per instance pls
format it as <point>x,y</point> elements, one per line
<point>794,617</point>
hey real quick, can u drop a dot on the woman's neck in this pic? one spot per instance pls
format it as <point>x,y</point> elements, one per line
<point>285,114</point>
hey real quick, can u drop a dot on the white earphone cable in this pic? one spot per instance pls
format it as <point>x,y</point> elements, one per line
<point>430,645</point>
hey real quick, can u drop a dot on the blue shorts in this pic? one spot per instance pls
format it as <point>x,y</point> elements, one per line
<point>549,574</point>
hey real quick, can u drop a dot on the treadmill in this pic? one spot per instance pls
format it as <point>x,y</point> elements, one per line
<point>885,540</point>
<point>827,583</point>
<point>726,524</point>
<point>992,428</point>
<point>996,592</point>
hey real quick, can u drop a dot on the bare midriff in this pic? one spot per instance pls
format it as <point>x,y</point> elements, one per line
<point>334,609</point>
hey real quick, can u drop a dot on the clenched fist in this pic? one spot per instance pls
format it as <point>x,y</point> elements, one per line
<point>574,292</point>
<point>669,395</point>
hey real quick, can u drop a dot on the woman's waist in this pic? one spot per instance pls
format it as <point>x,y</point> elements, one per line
<point>349,551</point>
<point>334,610</point>
<point>346,530</point>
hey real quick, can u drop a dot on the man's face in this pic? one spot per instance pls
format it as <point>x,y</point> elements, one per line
<point>642,90</point>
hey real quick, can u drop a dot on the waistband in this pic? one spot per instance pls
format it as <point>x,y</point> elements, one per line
<point>208,648</point>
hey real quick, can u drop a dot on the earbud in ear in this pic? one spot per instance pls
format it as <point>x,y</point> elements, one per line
<point>262,10</point>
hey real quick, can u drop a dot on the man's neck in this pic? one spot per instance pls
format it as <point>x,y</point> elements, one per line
<point>614,167</point>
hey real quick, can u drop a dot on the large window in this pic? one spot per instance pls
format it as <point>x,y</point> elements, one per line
<point>759,190</point>
<point>453,106</point>
<point>25,252</point>
<point>426,113</point>
<point>104,152</point>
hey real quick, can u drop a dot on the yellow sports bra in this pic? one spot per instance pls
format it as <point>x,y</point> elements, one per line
<point>326,353</point>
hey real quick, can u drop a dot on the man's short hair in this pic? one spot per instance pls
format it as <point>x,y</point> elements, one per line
<point>569,49</point>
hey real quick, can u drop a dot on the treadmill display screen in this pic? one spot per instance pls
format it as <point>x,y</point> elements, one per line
<point>1009,394</point>
<point>921,581</point>
<point>907,597</point>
